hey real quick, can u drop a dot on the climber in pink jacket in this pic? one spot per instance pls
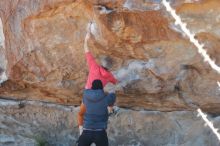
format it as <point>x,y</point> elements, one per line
<point>95,70</point>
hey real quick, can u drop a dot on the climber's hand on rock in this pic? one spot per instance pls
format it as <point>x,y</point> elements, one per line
<point>88,35</point>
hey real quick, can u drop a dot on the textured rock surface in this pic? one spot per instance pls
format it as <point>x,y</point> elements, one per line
<point>42,59</point>
<point>158,68</point>
<point>26,123</point>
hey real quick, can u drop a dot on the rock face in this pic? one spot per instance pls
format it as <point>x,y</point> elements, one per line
<point>29,123</point>
<point>156,65</point>
<point>42,61</point>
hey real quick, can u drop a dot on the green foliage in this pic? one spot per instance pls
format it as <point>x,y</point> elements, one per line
<point>41,141</point>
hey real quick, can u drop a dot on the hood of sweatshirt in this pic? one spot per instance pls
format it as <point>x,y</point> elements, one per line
<point>93,95</point>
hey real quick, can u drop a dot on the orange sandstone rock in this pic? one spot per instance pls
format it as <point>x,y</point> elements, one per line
<point>158,68</point>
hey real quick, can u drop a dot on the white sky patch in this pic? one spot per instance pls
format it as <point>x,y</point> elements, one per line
<point>208,123</point>
<point>191,36</point>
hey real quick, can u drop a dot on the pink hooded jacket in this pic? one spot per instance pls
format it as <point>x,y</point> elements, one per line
<point>97,72</point>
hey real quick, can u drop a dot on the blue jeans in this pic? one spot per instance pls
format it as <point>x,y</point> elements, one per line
<point>88,137</point>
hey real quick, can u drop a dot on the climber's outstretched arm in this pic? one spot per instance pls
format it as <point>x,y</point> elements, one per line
<point>92,64</point>
<point>88,35</point>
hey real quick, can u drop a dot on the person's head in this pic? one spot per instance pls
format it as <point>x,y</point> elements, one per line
<point>97,84</point>
<point>106,62</point>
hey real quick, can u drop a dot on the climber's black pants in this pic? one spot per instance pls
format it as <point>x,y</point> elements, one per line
<point>98,137</point>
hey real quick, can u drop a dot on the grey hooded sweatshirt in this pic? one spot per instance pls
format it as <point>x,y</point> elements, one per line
<point>96,103</point>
